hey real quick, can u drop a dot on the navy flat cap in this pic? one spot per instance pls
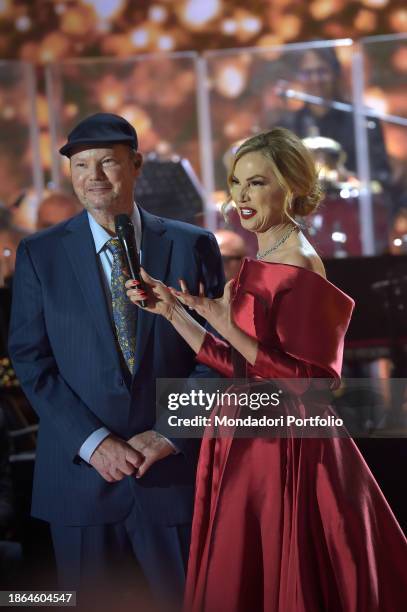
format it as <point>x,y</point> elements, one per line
<point>98,130</point>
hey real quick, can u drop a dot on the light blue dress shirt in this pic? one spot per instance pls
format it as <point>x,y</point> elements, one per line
<point>105,258</point>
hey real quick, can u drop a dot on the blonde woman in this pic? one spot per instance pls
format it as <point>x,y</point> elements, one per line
<point>281,524</point>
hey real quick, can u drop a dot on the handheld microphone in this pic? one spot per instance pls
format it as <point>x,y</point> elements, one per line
<point>125,233</point>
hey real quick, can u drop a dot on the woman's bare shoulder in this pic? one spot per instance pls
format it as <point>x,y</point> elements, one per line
<point>308,260</point>
<point>301,254</point>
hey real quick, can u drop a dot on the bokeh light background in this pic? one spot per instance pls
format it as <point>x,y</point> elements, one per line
<point>143,58</point>
<point>156,93</point>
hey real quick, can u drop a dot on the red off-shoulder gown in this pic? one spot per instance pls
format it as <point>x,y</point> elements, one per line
<point>290,524</point>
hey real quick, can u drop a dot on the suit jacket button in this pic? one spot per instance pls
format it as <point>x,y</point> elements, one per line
<point>121,382</point>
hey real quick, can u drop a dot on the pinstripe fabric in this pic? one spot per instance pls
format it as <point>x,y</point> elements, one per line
<point>124,312</point>
<point>66,355</point>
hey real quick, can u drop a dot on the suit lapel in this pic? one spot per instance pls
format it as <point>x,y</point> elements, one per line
<point>156,250</point>
<point>79,245</point>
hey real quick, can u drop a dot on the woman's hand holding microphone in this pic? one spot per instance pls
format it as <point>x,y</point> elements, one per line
<point>159,298</point>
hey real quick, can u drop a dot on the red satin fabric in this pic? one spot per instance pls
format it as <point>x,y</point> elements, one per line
<point>290,525</point>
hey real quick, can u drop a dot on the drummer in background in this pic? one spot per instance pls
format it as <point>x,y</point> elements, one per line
<point>320,73</point>
<point>233,250</point>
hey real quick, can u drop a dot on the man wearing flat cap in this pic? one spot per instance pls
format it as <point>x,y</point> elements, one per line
<point>105,479</point>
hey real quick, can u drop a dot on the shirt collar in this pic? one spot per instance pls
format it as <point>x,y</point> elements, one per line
<point>100,235</point>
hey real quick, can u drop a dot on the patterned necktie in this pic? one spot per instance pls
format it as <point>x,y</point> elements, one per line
<point>124,312</point>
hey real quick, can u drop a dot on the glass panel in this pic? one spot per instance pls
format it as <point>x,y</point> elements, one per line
<point>157,94</point>
<point>384,94</point>
<point>20,168</point>
<point>308,89</point>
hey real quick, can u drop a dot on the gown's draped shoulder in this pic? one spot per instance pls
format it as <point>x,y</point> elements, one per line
<point>290,524</point>
<point>298,317</point>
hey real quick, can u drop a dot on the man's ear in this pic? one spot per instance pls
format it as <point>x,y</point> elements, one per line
<point>138,159</point>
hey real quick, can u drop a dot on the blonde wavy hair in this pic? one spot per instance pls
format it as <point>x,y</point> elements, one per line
<point>293,166</point>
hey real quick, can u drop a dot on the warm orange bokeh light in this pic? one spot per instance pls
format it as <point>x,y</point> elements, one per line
<point>78,21</point>
<point>375,3</point>
<point>398,20</point>
<point>186,82</point>
<point>241,126</point>
<point>344,54</point>
<point>376,98</point>
<point>29,52</point>
<point>54,47</point>
<point>268,41</point>
<point>396,141</point>
<point>42,111</point>
<point>248,25</point>
<point>397,102</point>
<point>118,45</point>
<point>8,112</point>
<point>322,9</point>
<point>399,59</point>
<point>334,29</point>
<point>138,117</point>
<point>45,149</point>
<point>289,27</point>
<point>71,110</point>
<point>230,78</point>
<point>65,165</point>
<point>110,93</point>
<point>365,21</point>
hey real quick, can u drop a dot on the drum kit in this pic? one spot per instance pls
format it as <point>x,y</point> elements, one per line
<point>334,228</point>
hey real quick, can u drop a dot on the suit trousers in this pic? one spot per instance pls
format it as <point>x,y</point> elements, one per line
<point>99,558</point>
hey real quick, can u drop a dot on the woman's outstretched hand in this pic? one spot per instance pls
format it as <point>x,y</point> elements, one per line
<point>160,300</point>
<point>216,311</point>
